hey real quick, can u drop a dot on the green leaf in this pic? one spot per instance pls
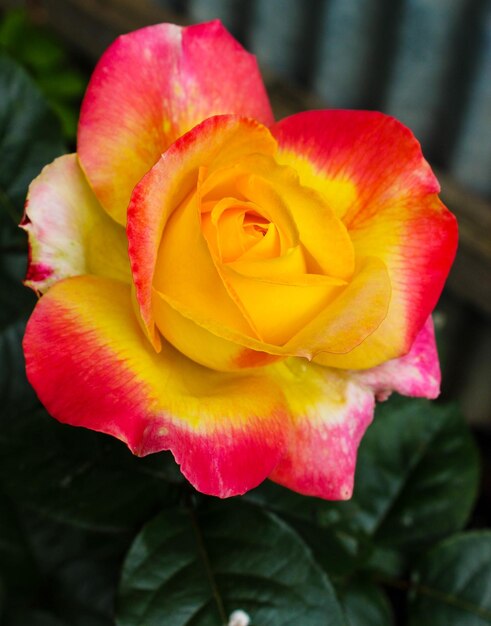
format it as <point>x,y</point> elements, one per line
<point>13,267</point>
<point>452,584</point>
<point>50,565</point>
<point>417,475</point>
<point>68,116</point>
<point>30,136</point>
<point>16,301</point>
<point>365,604</point>
<point>47,61</point>
<point>82,478</point>
<point>337,547</point>
<point>196,568</point>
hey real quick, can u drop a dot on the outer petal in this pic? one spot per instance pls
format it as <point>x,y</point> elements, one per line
<point>298,423</point>
<point>416,374</point>
<point>371,170</point>
<point>153,85</point>
<point>69,233</point>
<point>216,142</point>
<point>330,414</point>
<point>226,431</point>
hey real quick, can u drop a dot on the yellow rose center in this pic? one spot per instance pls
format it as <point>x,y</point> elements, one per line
<point>236,230</point>
<point>255,247</point>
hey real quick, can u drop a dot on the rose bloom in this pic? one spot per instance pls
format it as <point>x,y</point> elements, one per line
<point>232,289</point>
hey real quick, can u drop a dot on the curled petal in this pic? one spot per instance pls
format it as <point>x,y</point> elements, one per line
<point>416,374</point>
<point>345,323</point>
<point>277,190</point>
<point>69,232</point>
<point>371,172</point>
<point>355,314</point>
<point>153,85</point>
<point>203,345</point>
<point>185,271</point>
<point>214,143</point>
<point>226,431</point>
<point>279,309</point>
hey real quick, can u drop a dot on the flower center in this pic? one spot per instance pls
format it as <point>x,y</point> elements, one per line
<point>236,231</point>
<point>255,225</point>
<point>264,247</point>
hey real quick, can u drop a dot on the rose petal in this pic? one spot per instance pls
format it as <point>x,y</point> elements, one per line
<point>226,431</point>
<point>416,374</point>
<point>69,232</point>
<point>279,310</point>
<point>370,169</point>
<point>214,143</point>
<point>355,314</point>
<point>185,271</point>
<point>331,412</point>
<point>346,322</point>
<point>240,182</point>
<point>153,85</point>
<point>204,346</point>
<point>263,309</point>
<point>276,189</point>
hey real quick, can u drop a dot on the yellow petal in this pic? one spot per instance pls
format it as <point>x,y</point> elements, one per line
<point>286,267</point>
<point>192,337</point>
<point>351,317</point>
<point>185,270</point>
<point>323,235</point>
<point>212,144</point>
<point>279,310</point>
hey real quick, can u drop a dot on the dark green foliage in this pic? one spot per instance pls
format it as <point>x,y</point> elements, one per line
<point>407,493</point>
<point>365,604</point>
<point>45,58</point>
<point>196,567</point>
<point>29,135</point>
<point>452,583</point>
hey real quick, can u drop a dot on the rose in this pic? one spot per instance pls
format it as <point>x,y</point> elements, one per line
<point>271,281</point>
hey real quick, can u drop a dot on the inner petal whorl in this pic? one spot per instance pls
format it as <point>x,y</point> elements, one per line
<point>234,228</point>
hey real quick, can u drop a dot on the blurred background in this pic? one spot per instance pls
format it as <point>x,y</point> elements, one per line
<point>427,62</point>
